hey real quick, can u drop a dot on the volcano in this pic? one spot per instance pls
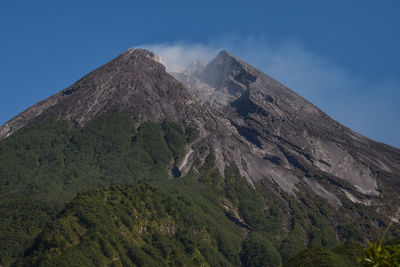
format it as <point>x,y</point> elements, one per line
<point>285,148</point>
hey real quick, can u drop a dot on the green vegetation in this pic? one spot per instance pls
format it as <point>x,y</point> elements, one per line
<point>133,225</point>
<point>378,254</point>
<point>44,166</point>
<point>258,251</point>
<point>175,138</point>
<point>191,134</point>
<point>319,256</point>
<point>102,195</point>
<point>351,233</point>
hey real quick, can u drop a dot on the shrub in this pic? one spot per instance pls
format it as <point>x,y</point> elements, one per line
<point>258,251</point>
<point>376,254</point>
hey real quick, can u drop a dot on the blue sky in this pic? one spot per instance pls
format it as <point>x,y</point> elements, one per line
<point>341,55</point>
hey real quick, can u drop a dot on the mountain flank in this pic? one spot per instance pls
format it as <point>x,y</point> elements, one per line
<point>288,132</point>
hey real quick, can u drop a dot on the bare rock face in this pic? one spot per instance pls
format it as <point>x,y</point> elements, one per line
<point>291,140</point>
<point>276,138</point>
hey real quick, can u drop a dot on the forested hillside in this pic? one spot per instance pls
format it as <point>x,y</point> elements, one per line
<point>71,197</point>
<point>44,166</point>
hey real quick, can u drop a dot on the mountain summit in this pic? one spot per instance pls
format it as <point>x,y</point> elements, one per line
<point>134,82</point>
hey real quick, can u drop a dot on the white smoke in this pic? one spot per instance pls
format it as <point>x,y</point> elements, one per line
<point>367,106</point>
<point>178,57</point>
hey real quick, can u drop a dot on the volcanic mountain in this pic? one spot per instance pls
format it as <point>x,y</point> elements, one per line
<point>282,145</point>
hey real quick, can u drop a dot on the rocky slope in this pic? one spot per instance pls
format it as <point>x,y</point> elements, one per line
<point>291,139</point>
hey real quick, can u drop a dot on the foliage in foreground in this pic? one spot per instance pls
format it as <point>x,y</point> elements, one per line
<point>378,254</point>
<point>375,254</point>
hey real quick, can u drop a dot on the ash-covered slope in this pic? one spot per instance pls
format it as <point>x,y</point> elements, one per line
<point>292,140</point>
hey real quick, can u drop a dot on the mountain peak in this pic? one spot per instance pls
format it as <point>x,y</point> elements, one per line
<point>224,53</point>
<point>226,68</point>
<point>225,60</point>
<point>134,82</point>
<point>137,53</point>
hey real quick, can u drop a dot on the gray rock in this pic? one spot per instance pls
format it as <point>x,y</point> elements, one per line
<point>290,138</point>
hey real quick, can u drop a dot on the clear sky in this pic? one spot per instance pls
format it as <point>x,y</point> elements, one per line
<point>341,55</point>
